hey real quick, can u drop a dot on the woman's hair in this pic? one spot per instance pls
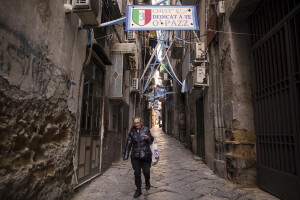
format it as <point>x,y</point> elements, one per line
<point>136,117</point>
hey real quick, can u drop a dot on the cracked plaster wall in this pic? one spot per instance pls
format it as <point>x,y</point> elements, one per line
<point>41,56</point>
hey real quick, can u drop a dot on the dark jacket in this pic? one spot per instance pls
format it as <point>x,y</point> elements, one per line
<point>140,146</point>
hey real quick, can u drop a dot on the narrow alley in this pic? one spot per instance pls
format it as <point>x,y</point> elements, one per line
<point>178,175</point>
<point>216,81</point>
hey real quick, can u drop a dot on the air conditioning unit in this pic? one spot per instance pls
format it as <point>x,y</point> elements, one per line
<point>134,84</point>
<point>81,4</point>
<point>200,76</point>
<point>131,36</point>
<point>199,51</point>
<point>89,12</point>
<point>221,8</point>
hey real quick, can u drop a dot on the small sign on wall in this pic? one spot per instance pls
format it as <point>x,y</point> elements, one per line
<point>140,18</point>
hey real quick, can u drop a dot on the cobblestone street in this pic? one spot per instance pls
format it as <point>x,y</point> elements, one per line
<point>178,175</point>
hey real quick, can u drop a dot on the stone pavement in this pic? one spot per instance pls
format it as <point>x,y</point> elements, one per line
<point>176,176</point>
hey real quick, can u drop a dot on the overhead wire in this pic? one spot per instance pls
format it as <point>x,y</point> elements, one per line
<point>184,40</point>
<point>115,22</point>
<point>196,35</point>
<point>237,33</point>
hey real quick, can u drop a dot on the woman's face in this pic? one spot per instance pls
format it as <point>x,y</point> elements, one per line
<point>137,123</point>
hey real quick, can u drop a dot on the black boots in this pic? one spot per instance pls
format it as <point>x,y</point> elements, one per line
<point>137,193</point>
<point>147,185</point>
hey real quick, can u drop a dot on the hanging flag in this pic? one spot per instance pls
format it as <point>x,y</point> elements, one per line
<point>141,16</point>
<point>184,87</point>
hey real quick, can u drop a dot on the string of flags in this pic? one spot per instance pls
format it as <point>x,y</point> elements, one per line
<point>167,17</point>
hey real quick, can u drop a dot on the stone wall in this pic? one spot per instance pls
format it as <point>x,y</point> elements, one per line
<point>41,57</point>
<point>36,145</point>
<point>240,136</point>
<point>236,104</point>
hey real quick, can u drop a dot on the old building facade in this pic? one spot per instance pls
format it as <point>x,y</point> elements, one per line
<point>235,119</point>
<point>66,95</point>
<point>68,92</point>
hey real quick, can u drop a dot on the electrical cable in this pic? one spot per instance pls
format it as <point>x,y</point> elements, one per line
<point>237,33</point>
<point>196,35</point>
<point>185,41</point>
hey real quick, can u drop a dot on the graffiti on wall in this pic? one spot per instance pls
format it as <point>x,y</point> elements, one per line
<point>27,64</point>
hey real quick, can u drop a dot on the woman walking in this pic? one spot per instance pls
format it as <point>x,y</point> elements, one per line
<point>139,139</point>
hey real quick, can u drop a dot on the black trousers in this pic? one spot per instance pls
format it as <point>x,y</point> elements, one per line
<point>137,165</point>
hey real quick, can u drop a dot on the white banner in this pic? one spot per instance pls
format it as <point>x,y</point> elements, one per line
<point>139,17</point>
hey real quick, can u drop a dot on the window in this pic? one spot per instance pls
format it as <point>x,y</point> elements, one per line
<point>92,100</point>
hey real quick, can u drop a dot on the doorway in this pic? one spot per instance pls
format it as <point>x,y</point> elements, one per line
<point>90,123</point>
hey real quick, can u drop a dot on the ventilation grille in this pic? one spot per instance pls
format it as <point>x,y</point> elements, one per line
<point>134,84</point>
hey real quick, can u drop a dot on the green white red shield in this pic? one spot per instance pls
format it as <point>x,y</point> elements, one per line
<point>141,16</point>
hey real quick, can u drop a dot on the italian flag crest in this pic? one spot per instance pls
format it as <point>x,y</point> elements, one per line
<point>141,16</point>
